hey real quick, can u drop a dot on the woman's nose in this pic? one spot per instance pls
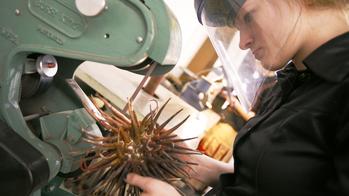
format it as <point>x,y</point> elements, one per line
<point>246,41</point>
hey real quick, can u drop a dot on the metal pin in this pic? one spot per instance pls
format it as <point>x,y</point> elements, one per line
<point>139,39</point>
<point>18,12</point>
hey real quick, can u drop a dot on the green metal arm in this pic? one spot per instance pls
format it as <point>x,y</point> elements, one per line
<point>126,33</point>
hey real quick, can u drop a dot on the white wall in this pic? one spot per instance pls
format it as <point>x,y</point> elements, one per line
<point>193,34</point>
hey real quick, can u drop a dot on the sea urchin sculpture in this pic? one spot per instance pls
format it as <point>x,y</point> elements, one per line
<point>131,145</point>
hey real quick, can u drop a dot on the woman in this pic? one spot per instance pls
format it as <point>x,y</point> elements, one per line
<point>298,143</point>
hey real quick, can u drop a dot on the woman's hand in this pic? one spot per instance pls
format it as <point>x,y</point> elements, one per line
<point>151,186</point>
<point>208,170</point>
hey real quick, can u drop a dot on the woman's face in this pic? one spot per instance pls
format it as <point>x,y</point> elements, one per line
<point>269,29</point>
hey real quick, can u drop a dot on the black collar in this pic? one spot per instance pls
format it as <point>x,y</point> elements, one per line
<point>331,60</point>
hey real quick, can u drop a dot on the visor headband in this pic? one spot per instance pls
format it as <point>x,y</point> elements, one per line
<point>200,5</point>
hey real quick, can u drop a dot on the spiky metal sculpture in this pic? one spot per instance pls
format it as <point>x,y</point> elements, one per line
<point>144,147</point>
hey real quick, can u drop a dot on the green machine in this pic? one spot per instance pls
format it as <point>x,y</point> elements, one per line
<point>42,42</point>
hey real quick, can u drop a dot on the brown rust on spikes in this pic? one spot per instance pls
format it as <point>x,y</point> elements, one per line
<point>115,111</point>
<point>131,145</point>
<point>174,128</point>
<point>163,125</point>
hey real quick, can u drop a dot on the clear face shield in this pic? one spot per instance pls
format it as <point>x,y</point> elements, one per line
<point>250,55</point>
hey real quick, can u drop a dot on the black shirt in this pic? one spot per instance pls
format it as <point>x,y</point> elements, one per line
<point>298,144</point>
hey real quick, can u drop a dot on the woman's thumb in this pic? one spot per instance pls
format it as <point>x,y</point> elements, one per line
<point>137,180</point>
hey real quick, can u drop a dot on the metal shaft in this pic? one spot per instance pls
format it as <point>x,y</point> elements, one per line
<point>141,84</point>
